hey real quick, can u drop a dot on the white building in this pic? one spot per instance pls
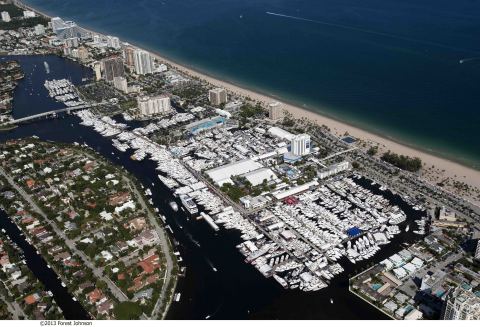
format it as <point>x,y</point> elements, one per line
<point>113,42</point>
<point>97,39</point>
<point>162,68</point>
<point>461,304</point>
<point>477,252</point>
<point>120,83</point>
<point>280,133</point>
<point>39,29</point>
<point>6,16</point>
<point>223,174</point>
<point>217,96</point>
<point>67,29</point>
<point>275,111</point>
<point>300,145</point>
<point>334,169</point>
<point>71,42</point>
<point>148,106</point>
<point>257,177</point>
<point>28,14</point>
<point>414,315</point>
<point>143,62</point>
<point>57,24</point>
<point>97,68</point>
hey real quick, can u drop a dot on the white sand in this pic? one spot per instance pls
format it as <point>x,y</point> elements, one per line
<point>451,169</point>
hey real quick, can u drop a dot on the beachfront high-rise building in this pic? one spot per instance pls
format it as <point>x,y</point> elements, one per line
<point>6,16</point>
<point>81,53</point>
<point>57,24</point>
<point>275,111</point>
<point>148,106</point>
<point>129,55</point>
<point>28,14</point>
<point>113,42</point>
<point>477,251</point>
<point>300,145</point>
<point>143,62</point>
<point>39,29</point>
<point>461,304</point>
<point>97,68</point>
<point>97,39</point>
<point>71,42</point>
<point>67,29</point>
<point>217,96</point>
<point>113,67</point>
<point>120,83</point>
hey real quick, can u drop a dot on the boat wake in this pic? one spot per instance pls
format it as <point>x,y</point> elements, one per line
<point>373,32</point>
<point>464,60</point>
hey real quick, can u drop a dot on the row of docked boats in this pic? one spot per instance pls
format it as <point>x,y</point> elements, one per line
<point>63,90</point>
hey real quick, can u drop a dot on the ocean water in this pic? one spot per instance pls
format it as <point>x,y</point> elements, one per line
<point>406,69</point>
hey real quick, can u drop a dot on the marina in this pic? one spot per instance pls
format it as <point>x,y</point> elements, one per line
<point>297,241</point>
<point>220,249</point>
<point>63,91</point>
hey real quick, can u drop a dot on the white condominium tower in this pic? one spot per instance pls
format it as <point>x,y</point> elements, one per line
<point>275,111</point>
<point>217,96</point>
<point>477,252</point>
<point>148,106</point>
<point>6,16</point>
<point>113,42</point>
<point>143,62</point>
<point>300,145</point>
<point>461,304</point>
<point>28,14</point>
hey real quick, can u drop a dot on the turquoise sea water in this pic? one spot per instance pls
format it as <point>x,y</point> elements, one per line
<point>406,69</point>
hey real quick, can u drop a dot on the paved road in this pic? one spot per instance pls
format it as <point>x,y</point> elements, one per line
<point>164,244</point>
<point>13,308</point>
<point>98,272</point>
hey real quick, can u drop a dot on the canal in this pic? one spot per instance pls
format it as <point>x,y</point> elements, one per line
<point>71,309</point>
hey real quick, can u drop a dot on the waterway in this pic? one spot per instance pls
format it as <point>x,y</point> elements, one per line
<point>235,290</point>
<point>71,309</point>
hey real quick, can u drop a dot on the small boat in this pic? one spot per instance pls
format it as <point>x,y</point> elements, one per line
<point>407,228</point>
<point>174,206</point>
<point>331,300</point>
<point>177,297</point>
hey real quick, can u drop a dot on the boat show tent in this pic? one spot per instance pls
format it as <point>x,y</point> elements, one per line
<point>354,231</point>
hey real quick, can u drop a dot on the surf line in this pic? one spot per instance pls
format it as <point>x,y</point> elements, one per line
<point>362,30</point>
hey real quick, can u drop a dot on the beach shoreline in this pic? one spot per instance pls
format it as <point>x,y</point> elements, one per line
<point>338,127</point>
<point>446,167</point>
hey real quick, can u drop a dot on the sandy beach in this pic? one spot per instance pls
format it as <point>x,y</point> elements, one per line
<point>452,169</point>
<point>443,168</point>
